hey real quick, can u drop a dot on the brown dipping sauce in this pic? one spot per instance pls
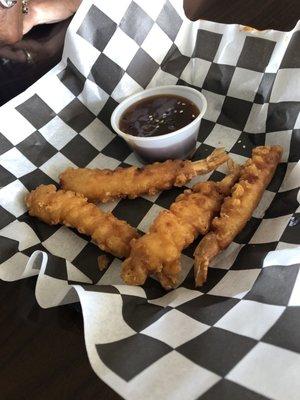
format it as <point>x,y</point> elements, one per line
<point>158,115</point>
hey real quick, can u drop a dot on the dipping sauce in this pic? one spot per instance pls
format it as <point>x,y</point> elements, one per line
<point>158,115</point>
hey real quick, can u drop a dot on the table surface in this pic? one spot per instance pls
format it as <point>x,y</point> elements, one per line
<point>42,352</point>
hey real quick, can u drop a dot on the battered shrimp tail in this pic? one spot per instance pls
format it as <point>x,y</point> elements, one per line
<point>225,185</point>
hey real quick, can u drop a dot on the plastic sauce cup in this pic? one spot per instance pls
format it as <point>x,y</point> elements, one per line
<point>180,144</point>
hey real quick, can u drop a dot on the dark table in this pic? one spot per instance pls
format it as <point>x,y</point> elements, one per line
<point>42,352</point>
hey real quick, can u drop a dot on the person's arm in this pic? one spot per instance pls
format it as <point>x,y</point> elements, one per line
<point>48,12</point>
<point>14,24</point>
<point>11,24</point>
<point>267,14</point>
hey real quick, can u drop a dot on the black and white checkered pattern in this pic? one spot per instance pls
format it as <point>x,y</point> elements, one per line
<point>238,336</point>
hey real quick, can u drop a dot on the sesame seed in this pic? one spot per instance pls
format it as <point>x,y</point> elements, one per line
<point>183,104</point>
<point>239,141</point>
<point>178,102</point>
<point>244,146</point>
<point>157,120</point>
<point>193,115</point>
<point>157,126</point>
<point>181,111</point>
<point>175,111</point>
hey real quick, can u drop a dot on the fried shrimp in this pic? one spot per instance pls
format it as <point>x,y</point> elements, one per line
<point>73,210</point>
<point>105,185</point>
<point>158,252</point>
<point>238,208</point>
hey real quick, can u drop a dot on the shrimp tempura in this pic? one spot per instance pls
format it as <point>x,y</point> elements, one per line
<point>158,252</point>
<point>237,209</point>
<point>104,185</point>
<point>72,209</point>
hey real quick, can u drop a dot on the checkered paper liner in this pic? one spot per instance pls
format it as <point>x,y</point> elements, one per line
<point>236,337</point>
